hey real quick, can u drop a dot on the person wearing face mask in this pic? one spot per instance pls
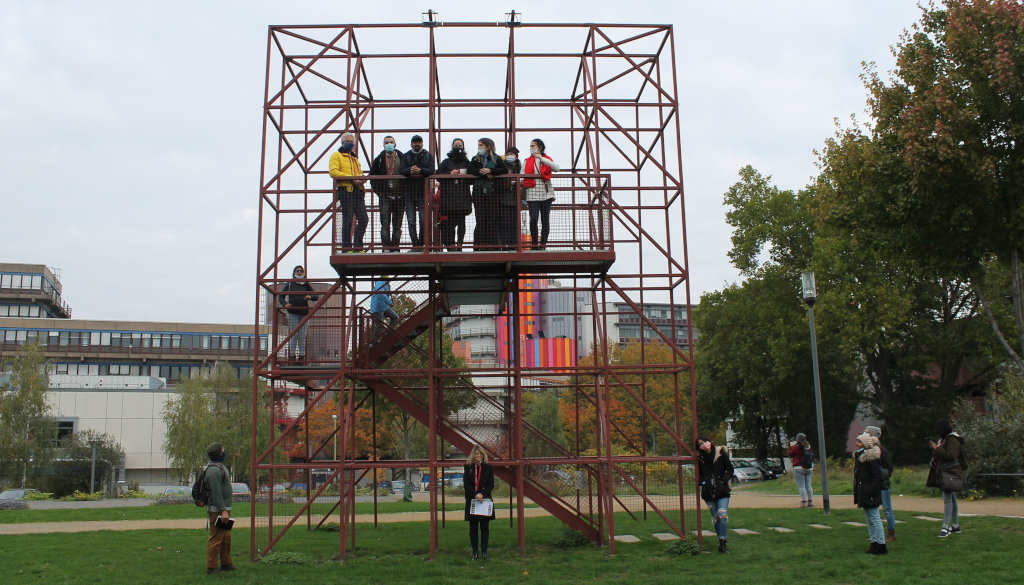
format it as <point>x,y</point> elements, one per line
<point>486,194</point>
<point>417,164</point>
<point>455,199</point>
<point>297,294</point>
<point>868,479</point>
<point>218,481</point>
<point>349,191</point>
<point>390,197</point>
<point>539,192</point>
<point>508,213</point>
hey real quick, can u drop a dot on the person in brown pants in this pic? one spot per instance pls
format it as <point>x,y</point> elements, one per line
<point>218,545</point>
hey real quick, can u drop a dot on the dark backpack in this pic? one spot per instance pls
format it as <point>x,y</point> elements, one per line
<point>201,491</point>
<point>807,459</point>
<point>963,453</point>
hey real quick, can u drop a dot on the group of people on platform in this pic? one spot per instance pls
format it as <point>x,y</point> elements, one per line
<point>479,184</point>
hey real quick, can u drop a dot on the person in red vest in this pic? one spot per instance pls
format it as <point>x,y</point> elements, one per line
<point>540,194</point>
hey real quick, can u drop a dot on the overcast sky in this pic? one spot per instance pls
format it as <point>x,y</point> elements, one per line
<point>130,131</point>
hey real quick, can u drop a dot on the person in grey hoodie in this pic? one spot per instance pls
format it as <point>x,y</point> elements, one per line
<point>218,480</point>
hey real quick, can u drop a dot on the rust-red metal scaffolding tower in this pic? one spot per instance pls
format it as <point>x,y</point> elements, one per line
<point>603,98</point>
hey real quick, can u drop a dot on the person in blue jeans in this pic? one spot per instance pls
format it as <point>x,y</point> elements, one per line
<point>715,472</point>
<point>868,476</point>
<point>890,516</point>
<point>803,468</point>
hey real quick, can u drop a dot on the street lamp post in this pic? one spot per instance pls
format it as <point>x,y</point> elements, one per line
<point>810,295</point>
<point>335,418</point>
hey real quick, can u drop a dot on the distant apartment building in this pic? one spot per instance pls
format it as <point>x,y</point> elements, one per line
<point>114,377</point>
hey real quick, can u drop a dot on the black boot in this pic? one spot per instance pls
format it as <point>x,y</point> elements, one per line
<point>722,546</point>
<point>873,550</point>
<point>882,549</point>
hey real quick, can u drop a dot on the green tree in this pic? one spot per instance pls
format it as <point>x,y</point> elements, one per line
<point>949,126</point>
<point>71,470</point>
<point>27,428</point>
<point>541,410</point>
<point>215,407</point>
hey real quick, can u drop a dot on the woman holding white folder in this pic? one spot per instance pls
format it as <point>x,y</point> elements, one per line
<point>478,480</point>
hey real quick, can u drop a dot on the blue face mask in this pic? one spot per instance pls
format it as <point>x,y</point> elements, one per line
<point>481,151</point>
<point>389,148</point>
<point>347,146</point>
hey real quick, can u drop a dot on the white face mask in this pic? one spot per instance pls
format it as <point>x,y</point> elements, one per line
<point>510,158</point>
<point>534,150</point>
<point>481,151</point>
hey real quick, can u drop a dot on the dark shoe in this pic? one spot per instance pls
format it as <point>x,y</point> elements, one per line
<point>881,550</point>
<point>228,568</point>
<point>474,557</point>
<point>944,532</point>
<point>210,571</point>
<point>953,530</point>
<point>873,549</point>
<point>485,557</point>
<point>890,535</point>
<point>723,546</point>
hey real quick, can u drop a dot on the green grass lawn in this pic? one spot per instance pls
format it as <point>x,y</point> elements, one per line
<point>988,551</point>
<point>907,481</point>
<point>183,511</point>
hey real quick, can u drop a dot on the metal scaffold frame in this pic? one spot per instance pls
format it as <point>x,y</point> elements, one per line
<point>605,95</point>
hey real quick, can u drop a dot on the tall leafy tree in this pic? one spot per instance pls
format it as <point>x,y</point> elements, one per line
<point>27,429</point>
<point>950,124</point>
<point>215,407</point>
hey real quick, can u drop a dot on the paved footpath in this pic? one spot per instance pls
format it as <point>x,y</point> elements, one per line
<point>740,499</point>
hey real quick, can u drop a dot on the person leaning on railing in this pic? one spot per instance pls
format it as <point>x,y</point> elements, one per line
<point>508,212</point>
<point>539,193</point>
<point>417,164</point>
<point>455,199</point>
<point>389,194</point>
<point>486,199</point>
<point>349,191</point>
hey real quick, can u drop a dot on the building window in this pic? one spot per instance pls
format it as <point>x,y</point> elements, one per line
<point>65,428</point>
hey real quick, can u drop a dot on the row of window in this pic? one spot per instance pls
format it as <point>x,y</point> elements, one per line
<point>64,338</point>
<point>170,373</point>
<point>25,311</point>
<point>21,281</point>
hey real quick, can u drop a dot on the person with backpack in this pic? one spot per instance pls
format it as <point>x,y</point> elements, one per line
<point>948,469</point>
<point>889,468</point>
<point>217,480</point>
<point>803,465</point>
<point>715,473</point>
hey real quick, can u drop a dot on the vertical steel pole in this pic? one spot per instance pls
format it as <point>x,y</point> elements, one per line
<point>817,406</point>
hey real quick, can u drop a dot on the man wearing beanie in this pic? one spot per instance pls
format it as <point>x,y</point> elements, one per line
<point>886,461</point>
<point>218,545</point>
<point>867,489</point>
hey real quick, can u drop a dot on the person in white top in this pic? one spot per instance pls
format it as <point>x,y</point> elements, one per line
<point>539,192</point>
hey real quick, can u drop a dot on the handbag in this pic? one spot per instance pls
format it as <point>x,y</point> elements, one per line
<point>950,482</point>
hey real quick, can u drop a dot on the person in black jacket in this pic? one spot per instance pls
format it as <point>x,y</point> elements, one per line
<point>295,300</point>
<point>455,200</point>
<point>417,164</point>
<point>715,472</point>
<point>868,478</point>
<point>486,194</point>
<point>890,516</point>
<point>946,459</point>
<point>508,213</point>
<point>478,480</point>
<point>390,196</point>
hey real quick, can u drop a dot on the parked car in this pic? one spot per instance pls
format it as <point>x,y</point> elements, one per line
<point>279,488</point>
<point>398,486</point>
<point>178,490</point>
<point>766,473</point>
<point>746,471</point>
<point>777,468</point>
<point>17,494</point>
<point>240,489</point>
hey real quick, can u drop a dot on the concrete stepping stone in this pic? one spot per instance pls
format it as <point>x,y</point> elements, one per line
<point>820,526</point>
<point>933,519</point>
<point>857,524</point>
<point>626,538</point>
<point>744,531</point>
<point>781,529</point>
<point>706,533</point>
<point>665,536</point>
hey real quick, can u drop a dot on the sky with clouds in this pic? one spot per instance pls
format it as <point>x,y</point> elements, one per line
<point>131,130</point>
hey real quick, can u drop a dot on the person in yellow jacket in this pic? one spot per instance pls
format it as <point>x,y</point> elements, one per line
<point>350,193</point>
